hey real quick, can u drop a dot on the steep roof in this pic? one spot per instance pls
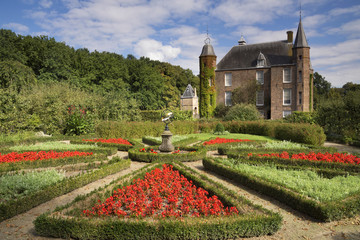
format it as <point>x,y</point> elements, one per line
<point>207,50</point>
<point>300,40</point>
<point>245,56</point>
<point>189,92</point>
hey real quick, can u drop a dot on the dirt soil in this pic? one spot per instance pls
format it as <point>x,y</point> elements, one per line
<point>295,224</point>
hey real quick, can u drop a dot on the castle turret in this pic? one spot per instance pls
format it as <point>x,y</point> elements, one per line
<point>304,86</point>
<point>207,80</point>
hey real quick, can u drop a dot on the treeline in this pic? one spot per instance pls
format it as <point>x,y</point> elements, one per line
<point>41,79</point>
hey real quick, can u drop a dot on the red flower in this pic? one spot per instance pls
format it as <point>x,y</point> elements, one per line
<point>110,140</point>
<point>224,140</point>
<point>162,193</point>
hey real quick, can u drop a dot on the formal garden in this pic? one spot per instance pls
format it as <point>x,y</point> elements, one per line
<point>167,197</point>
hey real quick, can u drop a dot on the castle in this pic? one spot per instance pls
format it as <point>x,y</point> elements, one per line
<point>282,70</point>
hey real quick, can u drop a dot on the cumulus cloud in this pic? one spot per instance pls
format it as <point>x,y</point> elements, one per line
<point>17,27</point>
<point>156,50</point>
<point>234,12</point>
<point>45,3</point>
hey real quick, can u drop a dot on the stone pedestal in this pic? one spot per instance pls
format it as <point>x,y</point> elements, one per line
<point>166,145</point>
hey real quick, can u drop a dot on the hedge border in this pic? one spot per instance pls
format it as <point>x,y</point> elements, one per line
<point>15,166</point>
<point>248,225</point>
<point>198,154</point>
<point>120,147</point>
<point>329,211</point>
<point>334,166</point>
<point>15,207</point>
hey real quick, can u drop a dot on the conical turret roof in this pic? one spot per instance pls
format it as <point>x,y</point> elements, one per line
<point>300,40</point>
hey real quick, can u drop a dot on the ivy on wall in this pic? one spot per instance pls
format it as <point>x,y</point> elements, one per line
<point>207,91</point>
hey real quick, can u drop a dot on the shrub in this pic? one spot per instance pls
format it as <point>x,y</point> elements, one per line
<point>219,129</point>
<point>80,120</point>
<point>243,112</point>
<point>221,110</point>
<point>301,117</point>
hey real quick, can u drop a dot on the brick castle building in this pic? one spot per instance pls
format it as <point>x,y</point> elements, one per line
<point>282,70</point>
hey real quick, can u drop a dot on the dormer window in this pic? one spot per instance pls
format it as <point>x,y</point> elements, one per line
<point>260,60</point>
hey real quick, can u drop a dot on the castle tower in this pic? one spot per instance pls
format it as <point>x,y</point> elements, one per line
<point>207,60</point>
<point>304,83</point>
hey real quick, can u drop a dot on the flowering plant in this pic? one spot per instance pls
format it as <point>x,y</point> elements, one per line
<point>162,193</point>
<point>224,140</point>
<point>110,140</point>
<point>312,156</point>
<point>41,155</point>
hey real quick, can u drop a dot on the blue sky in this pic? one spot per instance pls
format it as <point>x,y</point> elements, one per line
<point>174,30</point>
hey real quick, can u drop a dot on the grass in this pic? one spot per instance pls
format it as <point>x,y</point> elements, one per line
<point>18,185</point>
<point>55,146</point>
<point>307,183</point>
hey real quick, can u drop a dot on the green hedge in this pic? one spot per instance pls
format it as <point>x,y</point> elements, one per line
<point>194,154</point>
<point>17,206</point>
<point>15,166</point>
<point>297,132</point>
<point>119,147</point>
<point>66,222</point>
<point>326,211</point>
<point>155,115</point>
<point>151,141</point>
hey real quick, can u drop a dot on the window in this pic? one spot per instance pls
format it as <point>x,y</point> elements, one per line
<point>287,75</point>
<point>286,113</point>
<point>228,79</point>
<point>262,113</point>
<point>300,76</point>
<point>287,96</point>
<point>260,77</point>
<point>300,57</point>
<point>260,98</point>
<point>227,98</point>
<point>260,62</point>
<point>300,97</point>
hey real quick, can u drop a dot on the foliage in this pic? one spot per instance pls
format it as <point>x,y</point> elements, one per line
<point>221,110</point>
<point>242,112</point>
<point>19,185</point>
<point>79,121</point>
<point>15,75</point>
<point>245,94</point>
<point>301,117</point>
<point>219,129</point>
<point>155,115</point>
<point>55,146</point>
<point>207,91</point>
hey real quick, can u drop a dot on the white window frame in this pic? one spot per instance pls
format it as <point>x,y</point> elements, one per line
<point>260,98</point>
<point>287,76</point>
<point>228,79</point>
<point>260,80</point>
<point>288,101</point>
<point>260,63</point>
<point>228,99</point>
<point>286,113</point>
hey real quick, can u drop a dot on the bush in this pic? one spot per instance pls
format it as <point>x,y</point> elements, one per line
<point>301,117</point>
<point>80,120</point>
<point>219,129</point>
<point>221,110</point>
<point>243,112</point>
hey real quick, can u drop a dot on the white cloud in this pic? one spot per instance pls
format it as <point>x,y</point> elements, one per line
<point>350,29</point>
<point>257,35</point>
<point>341,11</point>
<point>45,3</point>
<point>339,62</point>
<point>245,12</point>
<point>155,50</point>
<point>17,27</point>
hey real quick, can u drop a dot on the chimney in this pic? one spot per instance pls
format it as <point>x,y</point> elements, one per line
<point>289,36</point>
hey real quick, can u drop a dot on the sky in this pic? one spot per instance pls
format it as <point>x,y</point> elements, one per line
<point>174,30</point>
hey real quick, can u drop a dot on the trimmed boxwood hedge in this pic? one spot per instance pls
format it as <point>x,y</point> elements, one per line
<point>195,154</point>
<point>66,222</point>
<point>15,166</point>
<point>326,211</point>
<point>296,132</point>
<point>120,147</point>
<point>17,206</point>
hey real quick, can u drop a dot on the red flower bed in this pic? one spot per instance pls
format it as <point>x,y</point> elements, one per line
<point>224,140</point>
<point>110,140</point>
<point>33,156</point>
<point>162,193</point>
<point>326,157</point>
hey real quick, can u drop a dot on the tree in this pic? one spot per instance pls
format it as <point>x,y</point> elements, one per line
<point>15,75</point>
<point>321,89</point>
<point>246,93</point>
